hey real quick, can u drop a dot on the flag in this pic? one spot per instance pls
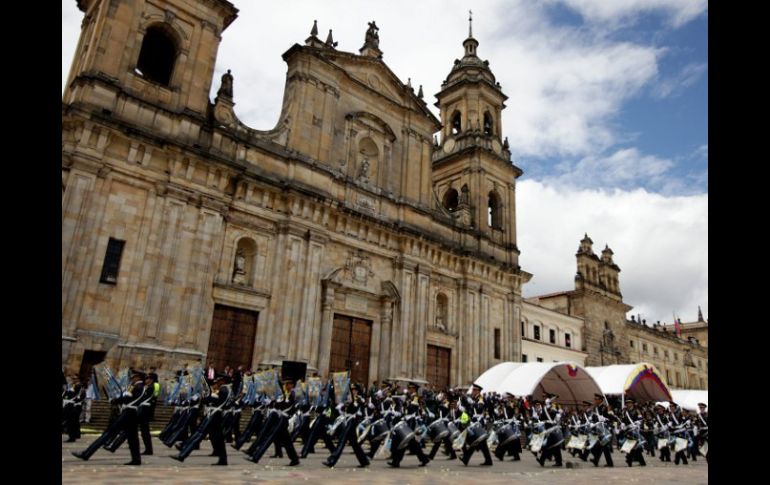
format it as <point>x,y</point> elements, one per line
<point>678,327</point>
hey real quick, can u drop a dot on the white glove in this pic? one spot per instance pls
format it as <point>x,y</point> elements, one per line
<point>340,406</point>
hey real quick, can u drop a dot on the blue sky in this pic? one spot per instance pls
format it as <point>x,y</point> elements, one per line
<point>607,115</point>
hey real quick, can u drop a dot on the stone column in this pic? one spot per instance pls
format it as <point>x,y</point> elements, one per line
<point>386,318</point>
<point>327,321</point>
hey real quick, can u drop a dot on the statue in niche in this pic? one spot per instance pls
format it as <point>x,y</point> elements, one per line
<point>226,88</point>
<point>363,171</point>
<point>239,272</point>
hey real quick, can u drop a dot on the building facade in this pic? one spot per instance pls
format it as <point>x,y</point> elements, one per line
<point>346,237</point>
<point>609,338</point>
<point>550,336</point>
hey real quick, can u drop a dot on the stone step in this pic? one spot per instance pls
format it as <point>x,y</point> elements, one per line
<point>101,410</point>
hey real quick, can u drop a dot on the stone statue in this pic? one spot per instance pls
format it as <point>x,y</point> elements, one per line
<point>363,172</point>
<point>239,272</point>
<point>464,195</point>
<point>372,37</point>
<point>226,88</point>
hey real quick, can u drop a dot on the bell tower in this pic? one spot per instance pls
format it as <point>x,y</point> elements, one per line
<point>160,52</point>
<point>473,177</point>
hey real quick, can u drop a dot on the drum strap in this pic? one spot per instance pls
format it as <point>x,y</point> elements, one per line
<point>702,420</point>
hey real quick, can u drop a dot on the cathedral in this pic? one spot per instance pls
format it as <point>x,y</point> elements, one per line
<point>361,233</point>
<point>347,237</point>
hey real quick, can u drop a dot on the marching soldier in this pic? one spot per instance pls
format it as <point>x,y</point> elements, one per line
<point>601,413</point>
<point>72,402</point>
<point>411,414</point>
<point>475,404</point>
<point>353,412</point>
<point>633,419</point>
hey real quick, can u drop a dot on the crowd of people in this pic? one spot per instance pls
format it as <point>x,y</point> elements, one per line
<point>386,420</point>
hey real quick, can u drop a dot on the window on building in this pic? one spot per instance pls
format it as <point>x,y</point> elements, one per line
<point>702,386</point>
<point>456,123</point>
<point>678,380</point>
<point>157,56</point>
<point>655,351</point>
<point>665,354</point>
<point>539,359</point>
<point>442,305</point>
<point>552,336</point>
<point>567,340</point>
<point>495,211</point>
<point>487,123</point>
<point>632,344</point>
<point>111,264</point>
<point>537,332</point>
<point>699,366</point>
<point>644,348</point>
<point>451,200</point>
<point>497,343</point>
<point>668,377</point>
<point>676,357</point>
<point>523,325</point>
<point>523,357</point>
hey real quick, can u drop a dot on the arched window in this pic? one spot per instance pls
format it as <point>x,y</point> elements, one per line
<point>487,123</point>
<point>158,55</point>
<point>451,199</point>
<point>456,123</point>
<point>495,211</point>
<point>442,305</point>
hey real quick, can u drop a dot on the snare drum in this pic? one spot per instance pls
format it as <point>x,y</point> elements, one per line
<point>476,434</point>
<point>705,448</point>
<point>592,441</point>
<point>438,430</point>
<point>380,430</point>
<point>662,443</point>
<point>555,437</point>
<point>575,443</point>
<point>402,435</point>
<point>536,443</point>
<point>680,445</point>
<point>628,446</point>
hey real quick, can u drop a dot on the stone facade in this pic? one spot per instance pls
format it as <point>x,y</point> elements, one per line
<point>337,210</point>
<point>609,338</point>
<point>538,323</point>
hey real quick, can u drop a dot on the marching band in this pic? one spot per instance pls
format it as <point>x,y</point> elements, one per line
<point>382,422</point>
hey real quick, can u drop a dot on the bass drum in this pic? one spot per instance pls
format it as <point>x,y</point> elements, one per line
<point>438,430</point>
<point>380,430</point>
<point>554,438</point>
<point>605,436</point>
<point>476,434</point>
<point>402,435</point>
<point>507,433</point>
<point>454,431</point>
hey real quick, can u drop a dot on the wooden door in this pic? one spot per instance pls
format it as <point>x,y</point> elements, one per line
<point>438,366</point>
<point>351,338</point>
<point>233,331</point>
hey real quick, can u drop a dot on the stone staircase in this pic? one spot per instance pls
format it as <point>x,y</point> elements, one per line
<point>101,409</point>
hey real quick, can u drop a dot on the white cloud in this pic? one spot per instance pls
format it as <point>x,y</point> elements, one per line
<point>674,85</point>
<point>677,12</point>
<point>660,244</point>
<point>626,168</point>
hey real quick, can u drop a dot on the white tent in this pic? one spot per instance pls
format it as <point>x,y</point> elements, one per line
<point>640,381</point>
<point>568,380</point>
<point>690,399</point>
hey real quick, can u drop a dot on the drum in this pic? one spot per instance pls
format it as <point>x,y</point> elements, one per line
<point>438,430</point>
<point>507,433</point>
<point>628,446</point>
<point>583,440</point>
<point>380,430</point>
<point>575,443</point>
<point>454,431</point>
<point>476,434</point>
<point>555,437</point>
<point>536,443</point>
<point>605,435</point>
<point>680,445</point>
<point>662,443</point>
<point>402,435</point>
<point>705,448</point>
<point>592,441</point>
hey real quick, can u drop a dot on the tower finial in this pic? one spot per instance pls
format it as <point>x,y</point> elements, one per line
<point>700,315</point>
<point>314,30</point>
<point>470,23</point>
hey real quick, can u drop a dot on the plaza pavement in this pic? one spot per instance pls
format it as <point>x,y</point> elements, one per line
<point>105,467</point>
